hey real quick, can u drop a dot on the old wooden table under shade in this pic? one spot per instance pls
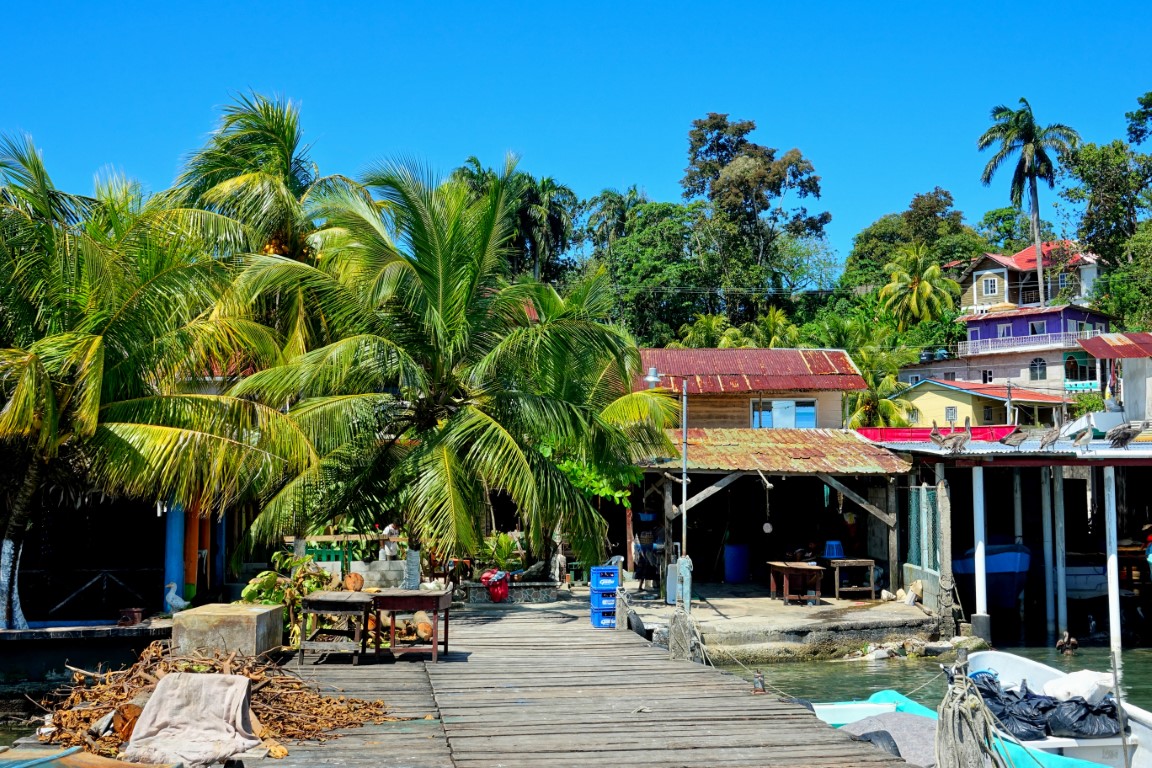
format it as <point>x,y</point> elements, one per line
<point>353,606</point>
<point>847,562</point>
<point>808,575</point>
<point>410,601</point>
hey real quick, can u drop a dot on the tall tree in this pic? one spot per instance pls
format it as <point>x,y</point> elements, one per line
<point>112,316</point>
<point>449,382</point>
<point>608,215</point>
<point>917,290</point>
<point>750,184</point>
<point>1112,182</point>
<point>1015,131</point>
<point>880,404</point>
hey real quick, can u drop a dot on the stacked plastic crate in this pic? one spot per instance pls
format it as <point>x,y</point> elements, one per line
<point>602,588</point>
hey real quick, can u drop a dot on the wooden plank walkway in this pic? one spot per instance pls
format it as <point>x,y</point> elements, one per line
<point>526,688</point>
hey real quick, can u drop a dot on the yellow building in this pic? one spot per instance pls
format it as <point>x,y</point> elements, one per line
<point>950,402</point>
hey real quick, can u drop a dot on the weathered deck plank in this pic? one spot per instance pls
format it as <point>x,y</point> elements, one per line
<point>543,688</point>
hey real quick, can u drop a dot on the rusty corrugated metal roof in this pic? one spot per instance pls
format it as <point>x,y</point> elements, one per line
<point>753,370</point>
<point>1111,346</point>
<point>784,452</point>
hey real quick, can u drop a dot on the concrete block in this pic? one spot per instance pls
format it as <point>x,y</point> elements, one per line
<point>383,574</point>
<point>243,627</point>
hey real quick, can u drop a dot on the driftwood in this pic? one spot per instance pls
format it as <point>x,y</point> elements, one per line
<point>99,710</point>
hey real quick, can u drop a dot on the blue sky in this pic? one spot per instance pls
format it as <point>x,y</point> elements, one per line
<point>886,100</point>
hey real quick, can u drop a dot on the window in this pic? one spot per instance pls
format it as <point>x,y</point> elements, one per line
<point>913,416</point>
<point>1038,327</point>
<point>986,376</point>
<point>1063,281</point>
<point>1038,369</point>
<point>1003,330</point>
<point>914,378</point>
<point>987,414</point>
<point>950,414</point>
<point>1076,369</point>
<point>973,334</point>
<point>783,414</point>
<point>989,286</point>
<point>950,376</point>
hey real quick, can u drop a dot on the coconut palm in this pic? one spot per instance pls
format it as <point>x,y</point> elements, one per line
<point>110,324</point>
<point>880,404</point>
<point>704,332</point>
<point>546,208</point>
<point>1015,131</point>
<point>608,217</point>
<point>256,169</point>
<point>772,329</point>
<point>448,382</point>
<point>918,290</point>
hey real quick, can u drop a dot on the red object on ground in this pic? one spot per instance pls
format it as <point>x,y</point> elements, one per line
<point>497,587</point>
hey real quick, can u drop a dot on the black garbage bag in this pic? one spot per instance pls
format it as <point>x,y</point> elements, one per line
<point>1077,719</point>
<point>1023,715</point>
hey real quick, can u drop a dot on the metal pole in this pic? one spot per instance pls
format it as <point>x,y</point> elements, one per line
<point>1046,528</point>
<point>684,467</point>
<point>1113,565</point>
<point>1061,550</point>
<point>981,621</point>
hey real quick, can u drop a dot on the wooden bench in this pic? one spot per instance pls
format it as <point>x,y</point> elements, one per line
<point>354,607</point>
<point>808,575</point>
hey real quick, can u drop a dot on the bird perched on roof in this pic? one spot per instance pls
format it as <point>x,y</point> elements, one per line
<point>174,601</point>
<point>1119,436</point>
<point>935,435</point>
<point>955,443</point>
<point>1067,645</point>
<point>1015,438</point>
<point>1050,437</point>
<point>1082,438</point>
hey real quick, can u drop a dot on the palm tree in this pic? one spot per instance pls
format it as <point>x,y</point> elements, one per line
<point>546,221</point>
<point>447,383</point>
<point>880,404</point>
<point>918,290</point>
<point>773,330</point>
<point>256,169</point>
<point>704,332</point>
<point>110,323</point>
<point>1016,131</point>
<point>608,219</point>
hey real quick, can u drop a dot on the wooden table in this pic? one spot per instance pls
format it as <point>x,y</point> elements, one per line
<point>354,606</point>
<point>410,601</point>
<point>837,563</point>
<point>809,575</point>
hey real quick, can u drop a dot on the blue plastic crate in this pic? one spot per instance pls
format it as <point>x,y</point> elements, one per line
<point>604,600</point>
<point>604,577</point>
<point>603,619</point>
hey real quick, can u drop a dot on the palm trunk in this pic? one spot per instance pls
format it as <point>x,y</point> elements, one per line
<point>1036,239</point>
<point>11,613</point>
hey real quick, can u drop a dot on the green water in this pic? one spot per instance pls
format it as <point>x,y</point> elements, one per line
<point>921,679</point>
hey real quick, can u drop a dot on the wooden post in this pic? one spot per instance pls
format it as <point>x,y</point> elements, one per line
<point>1061,549</point>
<point>947,580</point>
<point>1113,564</point>
<point>1017,507</point>
<point>629,565</point>
<point>895,575</point>
<point>924,528</point>
<point>1046,526</point>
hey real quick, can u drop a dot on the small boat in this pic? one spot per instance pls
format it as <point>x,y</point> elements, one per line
<point>74,757</point>
<point>1006,566</point>
<point>1013,670</point>
<point>913,728</point>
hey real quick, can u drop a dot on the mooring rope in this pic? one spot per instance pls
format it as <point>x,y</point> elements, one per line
<point>966,731</point>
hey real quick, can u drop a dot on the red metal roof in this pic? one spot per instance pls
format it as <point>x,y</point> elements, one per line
<point>785,452</point>
<point>1118,345</point>
<point>1025,260</point>
<point>752,370</point>
<point>920,434</point>
<point>1025,311</point>
<point>995,391</point>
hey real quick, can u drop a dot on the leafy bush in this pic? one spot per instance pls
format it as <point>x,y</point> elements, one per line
<point>1087,402</point>
<point>274,588</point>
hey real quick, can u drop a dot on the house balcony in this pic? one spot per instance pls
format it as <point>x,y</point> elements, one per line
<point>1006,344</point>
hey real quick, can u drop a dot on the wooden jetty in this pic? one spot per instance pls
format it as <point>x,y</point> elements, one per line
<point>531,687</point>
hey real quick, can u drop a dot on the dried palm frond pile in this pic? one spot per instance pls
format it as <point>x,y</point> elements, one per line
<point>99,710</point>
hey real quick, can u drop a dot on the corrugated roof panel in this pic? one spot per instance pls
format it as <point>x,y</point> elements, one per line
<point>785,452</point>
<point>1112,346</point>
<point>753,370</point>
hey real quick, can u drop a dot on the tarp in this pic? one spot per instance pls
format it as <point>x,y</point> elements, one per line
<point>196,719</point>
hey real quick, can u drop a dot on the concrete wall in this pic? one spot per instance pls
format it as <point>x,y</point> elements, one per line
<point>1007,367</point>
<point>733,411</point>
<point>988,326</point>
<point>1136,388</point>
<point>931,581</point>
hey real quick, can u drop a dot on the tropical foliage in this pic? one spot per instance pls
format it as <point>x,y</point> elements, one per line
<point>917,291</point>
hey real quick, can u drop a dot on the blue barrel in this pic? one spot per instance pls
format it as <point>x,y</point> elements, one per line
<point>736,563</point>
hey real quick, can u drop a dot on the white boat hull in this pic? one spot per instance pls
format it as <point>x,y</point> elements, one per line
<point>1012,669</point>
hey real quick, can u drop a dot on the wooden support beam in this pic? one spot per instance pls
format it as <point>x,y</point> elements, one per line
<point>675,479</point>
<point>888,518</point>
<point>716,487</point>
<point>654,488</point>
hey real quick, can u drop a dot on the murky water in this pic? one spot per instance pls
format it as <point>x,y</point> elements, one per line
<point>921,679</point>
